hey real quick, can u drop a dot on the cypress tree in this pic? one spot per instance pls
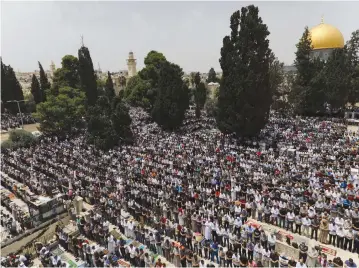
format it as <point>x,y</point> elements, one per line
<point>306,85</point>
<point>337,82</point>
<point>245,94</point>
<point>170,105</point>
<point>212,76</point>
<point>87,75</point>
<point>35,89</point>
<point>6,93</point>
<point>200,94</point>
<point>352,49</point>
<point>15,88</point>
<point>44,83</point>
<point>109,89</point>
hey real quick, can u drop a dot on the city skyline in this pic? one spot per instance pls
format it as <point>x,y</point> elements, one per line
<point>188,33</point>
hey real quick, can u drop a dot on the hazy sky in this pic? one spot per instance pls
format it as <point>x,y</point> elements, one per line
<point>188,33</point>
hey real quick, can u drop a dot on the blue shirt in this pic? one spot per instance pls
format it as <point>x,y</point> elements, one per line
<point>214,246</point>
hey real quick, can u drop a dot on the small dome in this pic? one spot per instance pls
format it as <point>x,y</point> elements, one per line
<point>326,36</point>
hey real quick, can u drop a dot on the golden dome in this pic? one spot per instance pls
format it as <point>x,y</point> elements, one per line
<point>326,36</point>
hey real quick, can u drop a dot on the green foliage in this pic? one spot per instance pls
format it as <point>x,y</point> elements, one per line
<point>170,105</point>
<point>150,74</point>
<point>306,87</point>
<point>35,89</point>
<point>318,82</point>
<point>19,138</point>
<point>200,94</point>
<point>87,75</point>
<point>211,107</point>
<point>107,124</point>
<point>155,59</point>
<point>30,103</point>
<point>336,79</point>
<point>212,76</point>
<point>67,75</point>
<point>245,94</point>
<point>137,92</point>
<point>352,49</point>
<point>10,89</point>
<point>44,84</point>
<point>109,89</point>
<point>62,113</point>
<point>8,144</point>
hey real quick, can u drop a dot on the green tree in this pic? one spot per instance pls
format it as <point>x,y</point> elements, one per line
<point>67,75</point>
<point>11,89</point>
<point>137,92</point>
<point>245,95</point>
<point>62,113</point>
<point>315,96</point>
<point>307,93</point>
<point>35,89</point>
<point>109,89</point>
<point>19,138</point>
<point>87,75</point>
<point>6,92</point>
<point>337,79</point>
<point>211,107</point>
<point>200,94</point>
<point>108,124</point>
<point>212,76</point>
<point>44,84</point>
<point>276,80</point>
<point>352,49</point>
<point>150,73</point>
<point>29,102</point>
<point>169,108</point>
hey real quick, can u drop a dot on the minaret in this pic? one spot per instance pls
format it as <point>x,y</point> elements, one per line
<point>99,68</point>
<point>131,64</point>
<point>52,68</point>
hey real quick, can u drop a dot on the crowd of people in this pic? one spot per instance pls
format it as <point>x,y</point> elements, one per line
<point>10,121</point>
<point>297,175</point>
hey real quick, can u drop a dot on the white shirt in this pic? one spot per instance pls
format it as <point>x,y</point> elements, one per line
<point>298,265</point>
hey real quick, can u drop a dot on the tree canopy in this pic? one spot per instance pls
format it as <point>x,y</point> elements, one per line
<point>170,105</point>
<point>200,94</point>
<point>35,89</point>
<point>67,75</point>
<point>108,123</point>
<point>109,89</point>
<point>245,95</point>
<point>10,89</point>
<point>62,113</point>
<point>212,76</point>
<point>87,75</point>
<point>137,92</point>
<point>44,84</point>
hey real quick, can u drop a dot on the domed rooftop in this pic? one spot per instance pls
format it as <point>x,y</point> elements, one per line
<point>326,36</point>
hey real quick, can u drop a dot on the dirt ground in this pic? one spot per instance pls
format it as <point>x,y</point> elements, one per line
<point>30,128</point>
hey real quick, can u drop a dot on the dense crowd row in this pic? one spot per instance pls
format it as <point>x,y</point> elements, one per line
<point>297,175</point>
<point>9,121</point>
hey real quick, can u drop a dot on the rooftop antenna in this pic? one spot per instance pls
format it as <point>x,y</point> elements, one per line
<point>82,40</point>
<point>99,68</point>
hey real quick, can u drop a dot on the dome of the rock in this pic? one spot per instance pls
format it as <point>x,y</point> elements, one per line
<point>326,36</point>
